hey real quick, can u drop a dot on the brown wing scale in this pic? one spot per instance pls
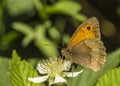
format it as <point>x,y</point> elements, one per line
<point>89,53</point>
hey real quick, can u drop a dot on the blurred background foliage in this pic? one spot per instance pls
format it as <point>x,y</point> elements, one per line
<point>40,28</point>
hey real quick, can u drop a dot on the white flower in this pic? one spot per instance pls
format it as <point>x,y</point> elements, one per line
<point>53,70</point>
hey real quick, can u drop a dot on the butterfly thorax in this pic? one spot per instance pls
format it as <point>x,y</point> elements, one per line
<point>66,53</point>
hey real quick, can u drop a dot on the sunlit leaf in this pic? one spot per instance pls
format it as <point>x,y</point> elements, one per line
<point>46,46</point>
<point>26,30</point>
<point>67,7</point>
<point>4,68</point>
<point>55,35</point>
<point>7,39</point>
<point>111,78</point>
<point>18,7</point>
<point>20,71</point>
<point>23,28</point>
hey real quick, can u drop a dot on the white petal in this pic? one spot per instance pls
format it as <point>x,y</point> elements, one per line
<point>66,65</point>
<point>73,74</point>
<point>42,68</point>
<point>59,79</point>
<point>39,79</point>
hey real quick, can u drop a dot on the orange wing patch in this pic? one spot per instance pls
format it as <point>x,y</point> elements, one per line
<point>82,33</point>
<point>89,29</point>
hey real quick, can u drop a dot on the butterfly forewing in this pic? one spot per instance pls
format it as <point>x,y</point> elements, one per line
<point>89,29</point>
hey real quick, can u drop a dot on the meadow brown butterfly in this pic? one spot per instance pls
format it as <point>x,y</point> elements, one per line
<point>85,47</point>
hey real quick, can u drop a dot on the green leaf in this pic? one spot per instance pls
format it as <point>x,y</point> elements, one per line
<point>26,30</point>
<point>46,46</point>
<point>89,77</point>
<point>79,17</point>
<point>113,59</point>
<point>111,78</point>
<point>65,7</point>
<point>23,28</point>
<point>20,71</point>
<point>54,33</point>
<point>68,7</point>
<point>34,61</point>
<point>4,67</point>
<point>65,38</point>
<point>18,7</point>
<point>7,39</point>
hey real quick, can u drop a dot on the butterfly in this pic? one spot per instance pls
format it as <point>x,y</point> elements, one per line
<point>85,47</point>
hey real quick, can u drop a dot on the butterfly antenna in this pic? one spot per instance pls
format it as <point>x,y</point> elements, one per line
<point>63,44</point>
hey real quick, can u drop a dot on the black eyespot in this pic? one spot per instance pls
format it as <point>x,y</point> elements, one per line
<point>88,27</point>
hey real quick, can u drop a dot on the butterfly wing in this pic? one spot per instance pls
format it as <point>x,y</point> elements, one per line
<point>89,53</point>
<point>85,47</point>
<point>89,29</point>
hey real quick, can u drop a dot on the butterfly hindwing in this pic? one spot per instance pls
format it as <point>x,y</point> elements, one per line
<point>89,53</point>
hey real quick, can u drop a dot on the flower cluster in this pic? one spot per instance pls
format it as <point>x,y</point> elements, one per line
<point>54,71</point>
